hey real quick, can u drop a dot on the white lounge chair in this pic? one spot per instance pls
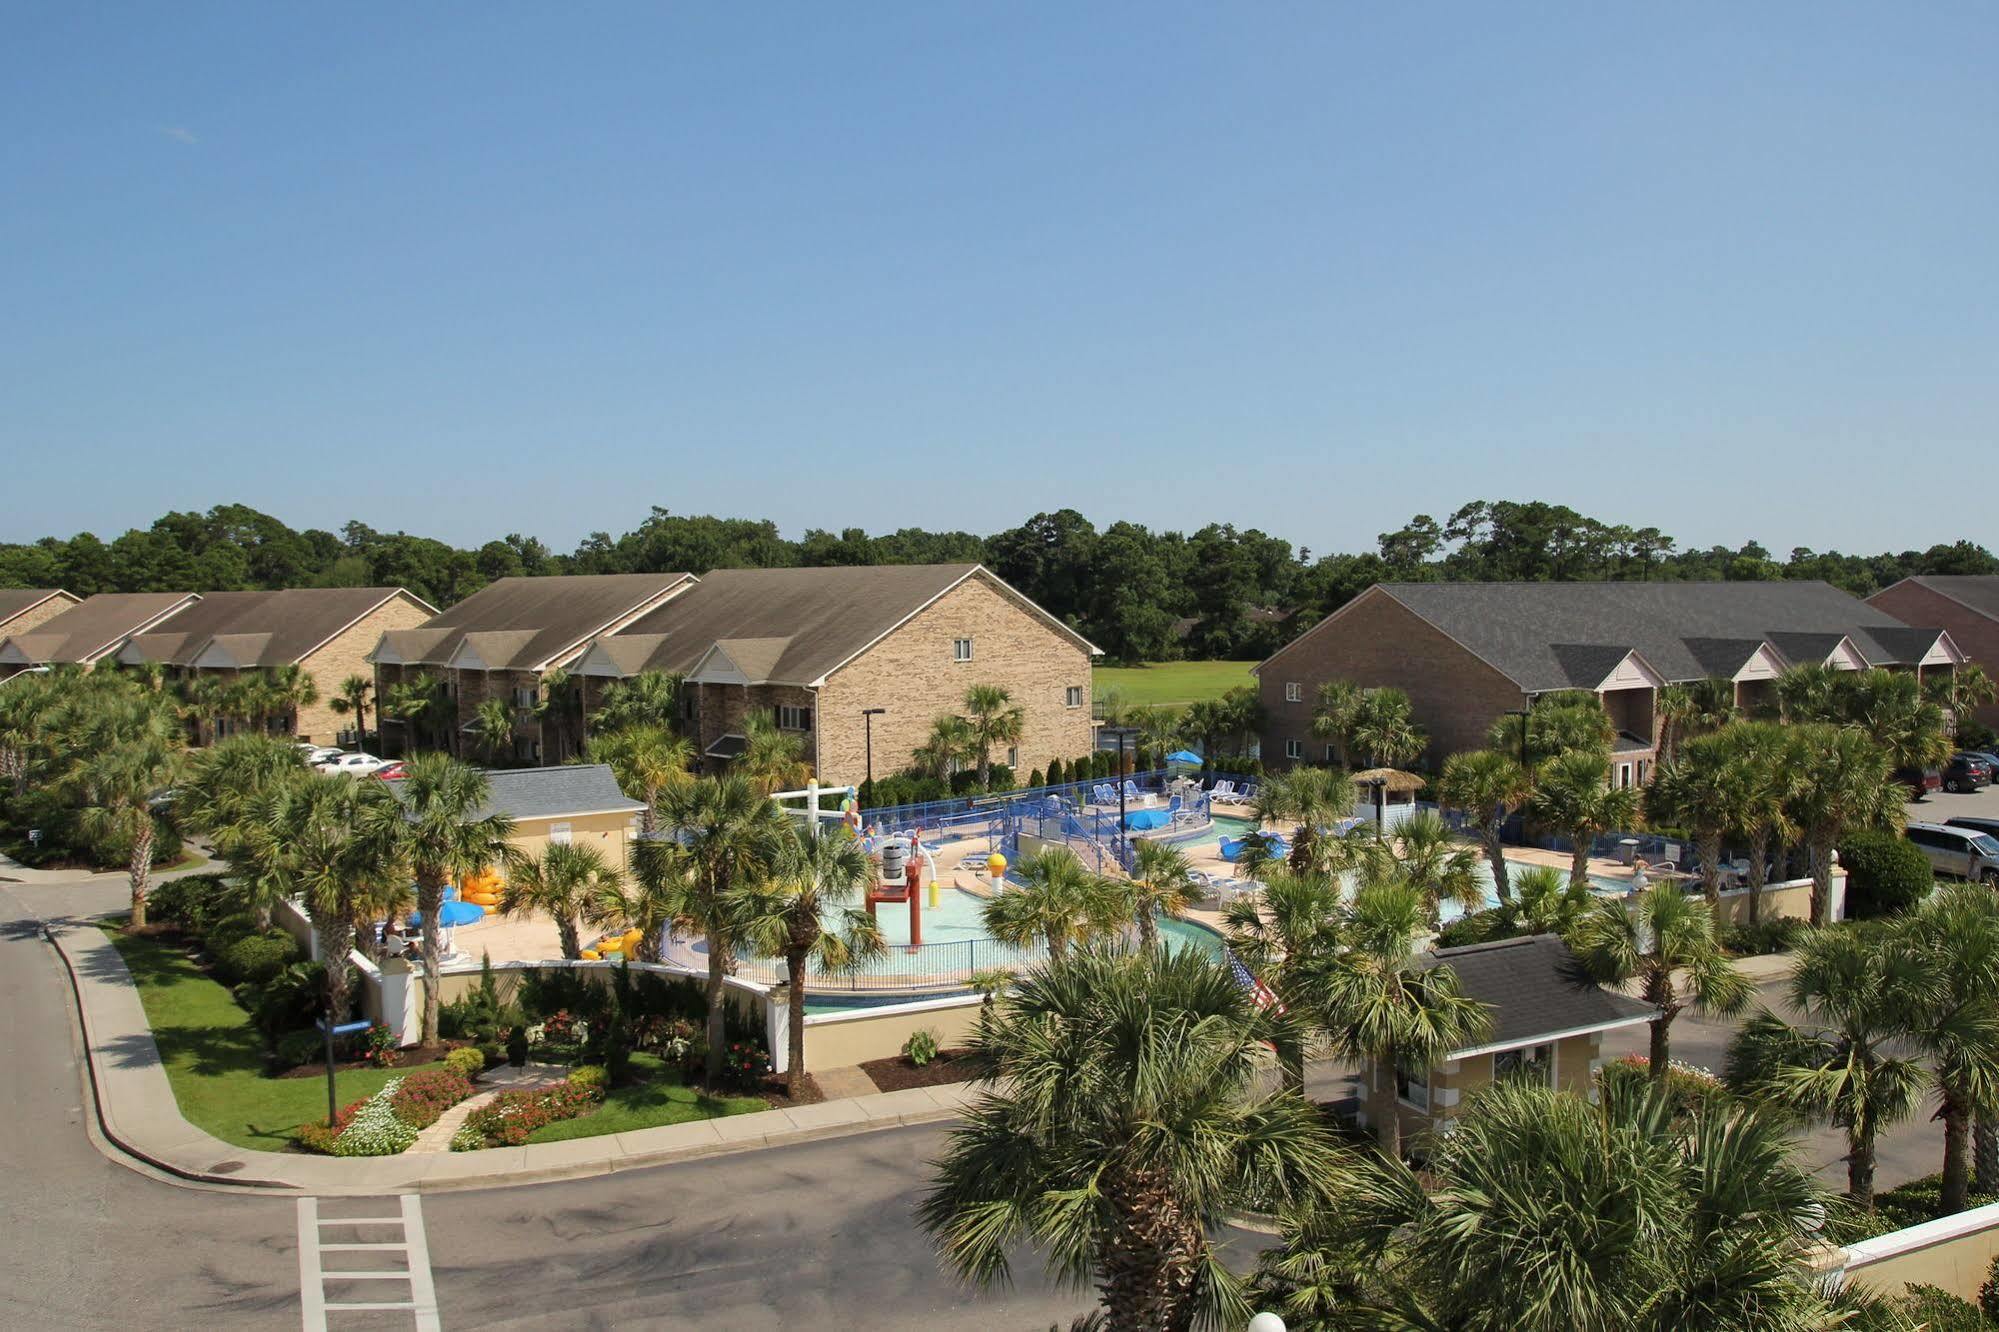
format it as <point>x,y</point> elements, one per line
<point>1132,793</point>
<point>1220,789</point>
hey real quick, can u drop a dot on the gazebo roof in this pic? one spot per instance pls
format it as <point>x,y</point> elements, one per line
<point>1390,779</point>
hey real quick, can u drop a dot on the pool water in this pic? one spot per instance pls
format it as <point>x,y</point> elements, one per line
<point>957,919</point>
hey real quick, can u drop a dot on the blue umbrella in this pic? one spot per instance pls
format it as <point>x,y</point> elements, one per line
<point>454,913</point>
<point>1184,756</point>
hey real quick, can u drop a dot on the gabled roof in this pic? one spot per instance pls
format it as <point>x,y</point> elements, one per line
<point>1547,636</point>
<point>804,624</point>
<point>1976,592</point>
<point>245,630</point>
<point>571,790</point>
<point>546,620</point>
<point>1535,991</point>
<point>91,628</point>
<point>18,601</point>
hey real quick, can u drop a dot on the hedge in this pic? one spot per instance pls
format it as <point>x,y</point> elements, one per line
<point>1885,874</point>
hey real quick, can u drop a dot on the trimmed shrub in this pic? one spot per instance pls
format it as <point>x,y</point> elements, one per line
<point>1763,938</point>
<point>467,1062</point>
<point>226,930</point>
<point>1056,774</point>
<point>921,1047</point>
<point>257,958</point>
<point>1476,927</point>
<point>293,998</point>
<point>295,1048</point>
<point>589,1076</point>
<point>1885,875</point>
<point>512,1116</point>
<point>194,901</point>
<point>1034,779</point>
<point>1937,1310</point>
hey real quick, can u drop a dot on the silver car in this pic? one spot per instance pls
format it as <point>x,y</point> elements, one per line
<point>1962,852</point>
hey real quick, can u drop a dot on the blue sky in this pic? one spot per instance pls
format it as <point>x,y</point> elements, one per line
<point>1728,270</point>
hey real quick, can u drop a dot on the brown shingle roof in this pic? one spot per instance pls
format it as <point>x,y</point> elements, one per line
<point>545,618</point>
<point>94,626</point>
<point>256,629</point>
<point>19,600</point>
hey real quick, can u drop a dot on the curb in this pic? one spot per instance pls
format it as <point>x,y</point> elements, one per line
<point>442,1172</point>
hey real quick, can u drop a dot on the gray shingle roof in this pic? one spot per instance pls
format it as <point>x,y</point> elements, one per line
<point>1556,635</point>
<point>1535,988</point>
<point>256,629</point>
<point>94,626</point>
<point>528,622</point>
<point>15,600</point>
<point>545,793</point>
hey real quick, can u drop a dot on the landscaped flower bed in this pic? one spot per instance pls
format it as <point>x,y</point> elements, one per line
<point>389,1121</point>
<point>512,1116</point>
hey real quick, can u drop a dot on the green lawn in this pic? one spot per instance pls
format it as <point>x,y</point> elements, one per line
<point>662,1100</point>
<point>1174,682</point>
<point>215,1058</point>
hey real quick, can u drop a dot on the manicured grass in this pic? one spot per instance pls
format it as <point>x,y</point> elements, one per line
<point>215,1057</point>
<point>1173,682</point>
<point>662,1099</point>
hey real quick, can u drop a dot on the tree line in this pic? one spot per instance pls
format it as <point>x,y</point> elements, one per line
<point>1221,592</point>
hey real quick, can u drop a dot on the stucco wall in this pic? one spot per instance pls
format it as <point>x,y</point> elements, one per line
<point>1374,641</point>
<point>840,1040</point>
<point>911,673</point>
<point>1954,1253</point>
<point>609,833</point>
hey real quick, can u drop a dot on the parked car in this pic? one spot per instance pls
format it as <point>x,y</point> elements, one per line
<point>1920,781</point>
<point>352,765</point>
<point>1991,760</point>
<point>317,754</point>
<point>1962,852</point>
<point>392,771</point>
<point>1966,772</point>
<point>1990,827</point>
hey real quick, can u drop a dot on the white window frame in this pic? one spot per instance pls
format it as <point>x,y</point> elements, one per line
<point>961,650</point>
<point>1294,749</point>
<point>1542,1053</point>
<point>1329,753</point>
<point>1417,1083</point>
<point>1294,692</point>
<point>1072,697</point>
<point>1623,776</point>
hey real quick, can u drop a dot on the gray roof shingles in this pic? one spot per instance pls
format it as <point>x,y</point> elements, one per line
<point>546,793</point>
<point>1547,636</point>
<point>1535,988</point>
<point>546,616</point>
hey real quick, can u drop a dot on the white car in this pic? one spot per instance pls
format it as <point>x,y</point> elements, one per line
<point>352,765</point>
<point>317,754</point>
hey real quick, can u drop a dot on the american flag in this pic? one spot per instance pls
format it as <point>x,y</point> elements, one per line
<point>1259,994</point>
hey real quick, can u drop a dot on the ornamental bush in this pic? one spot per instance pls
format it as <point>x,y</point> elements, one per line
<point>510,1118</point>
<point>744,1064</point>
<point>376,1129</point>
<point>589,1075</point>
<point>256,958</point>
<point>298,1047</point>
<point>921,1047</point>
<point>421,1098</point>
<point>195,901</point>
<point>467,1062</point>
<point>1885,875</point>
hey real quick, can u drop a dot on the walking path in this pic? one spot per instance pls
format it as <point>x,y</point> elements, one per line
<point>533,1077</point>
<point>136,1106</point>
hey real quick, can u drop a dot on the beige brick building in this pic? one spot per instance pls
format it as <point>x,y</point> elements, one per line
<point>24,609</point>
<point>822,647</point>
<point>1467,653</point>
<point>325,632</point>
<point>88,631</point>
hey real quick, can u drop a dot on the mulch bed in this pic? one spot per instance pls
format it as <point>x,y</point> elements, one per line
<point>897,1073</point>
<point>777,1098</point>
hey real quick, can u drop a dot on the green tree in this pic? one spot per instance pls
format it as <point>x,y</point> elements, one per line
<point>1859,998</point>
<point>1954,941</point>
<point>352,700</point>
<point>995,720</point>
<point>1566,722</point>
<point>1125,1119</point>
<point>1385,1006</point>
<point>1313,800</point>
<point>646,758</point>
<point>1058,904</point>
<point>1384,728</point>
<point>226,794</point>
<point>1697,707</point>
<point>1573,795</point>
<point>949,745</point>
<point>128,757</point>
<point>1762,815</point>
<point>1666,942</point>
<point>1489,786</point>
<point>563,884</point>
<point>773,758</point>
<point>494,720</point>
<point>1161,884</point>
<point>1702,790</point>
<point>1288,934</point>
<point>1425,854</point>
<point>650,698</point>
<point>1336,709</point>
<point>335,861</point>
<point>804,911</point>
<point>1846,784</point>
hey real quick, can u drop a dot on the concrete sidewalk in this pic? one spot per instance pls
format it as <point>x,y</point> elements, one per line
<point>136,1106</point>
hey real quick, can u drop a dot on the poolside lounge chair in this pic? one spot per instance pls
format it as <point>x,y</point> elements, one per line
<point>1131,791</point>
<point>1103,794</point>
<point>1221,790</point>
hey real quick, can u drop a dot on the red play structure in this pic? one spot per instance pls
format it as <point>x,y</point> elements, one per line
<point>900,879</point>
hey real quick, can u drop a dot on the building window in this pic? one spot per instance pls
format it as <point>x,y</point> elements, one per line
<point>794,719</point>
<point>1412,1085</point>
<point>1073,696</point>
<point>1294,749</point>
<point>1012,757</point>
<point>1535,1063</point>
<point>1294,692</point>
<point>1623,775</point>
<point>525,698</point>
<point>961,649</point>
<point>1329,753</point>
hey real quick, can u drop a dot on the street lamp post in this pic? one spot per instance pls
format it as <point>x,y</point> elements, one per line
<point>1523,714</point>
<point>868,716</point>
<point>1118,843</point>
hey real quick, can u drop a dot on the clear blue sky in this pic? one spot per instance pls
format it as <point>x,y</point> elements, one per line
<point>1730,270</point>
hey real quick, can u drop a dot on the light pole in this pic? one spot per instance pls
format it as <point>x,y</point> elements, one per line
<point>1119,841</point>
<point>1523,714</point>
<point>868,716</point>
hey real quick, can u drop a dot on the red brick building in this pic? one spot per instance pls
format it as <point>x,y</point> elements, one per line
<point>1967,605</point>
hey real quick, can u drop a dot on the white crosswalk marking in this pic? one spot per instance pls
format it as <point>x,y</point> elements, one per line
<point>413,1276</point>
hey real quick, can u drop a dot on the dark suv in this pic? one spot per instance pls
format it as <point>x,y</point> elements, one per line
<point>1966,772</point>
<point>1920,781</point>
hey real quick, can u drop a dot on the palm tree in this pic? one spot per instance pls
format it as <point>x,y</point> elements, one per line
<point>1161,884</point>
<point>1548,902</point>
<point>1697,707</point>
<point>334,860</point>
<point>494,721</point>
<point>1572,794</point>
<point>1953,939</point>
<point>353,698</point>
<point>773,759</point>
<point>410,702</point>
<point>1385,1007</point>
<point>1703,791</point>
<point>1384,728</point>
<point>223,797</point>
<point>1205,722</point>
<point>1287,935</point>
<point>726,834</point>
<point>1844,783</point>
<point>1809,693</point>
<point>560,711</point>
<point>1961,692</point>
<point>652,902</point>
<point>1762,809</point>
<point>1123,1120</point>
<point>129,756</point>
<point>648,698</point>
<point>1889,705</point>
<point>1665,941</point>
<point>1859,998</point>
<point>803,911</point>
<point>1057,903</point>
<point>1313,799</point>
<point>1158,728</point>
<point>1544,1212</point>
<point>1335,710</point>
<point>27,706</point>
<point>291,689</point>
<point>207,700</point>
<point>1560,723</point>
<point>646,758</point>
<point>995,720</point>
<point>443,836</point>
<point>948,746</point>
<point>1487,785</point>
<point>564,885</point>
<point>1424,854</point>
